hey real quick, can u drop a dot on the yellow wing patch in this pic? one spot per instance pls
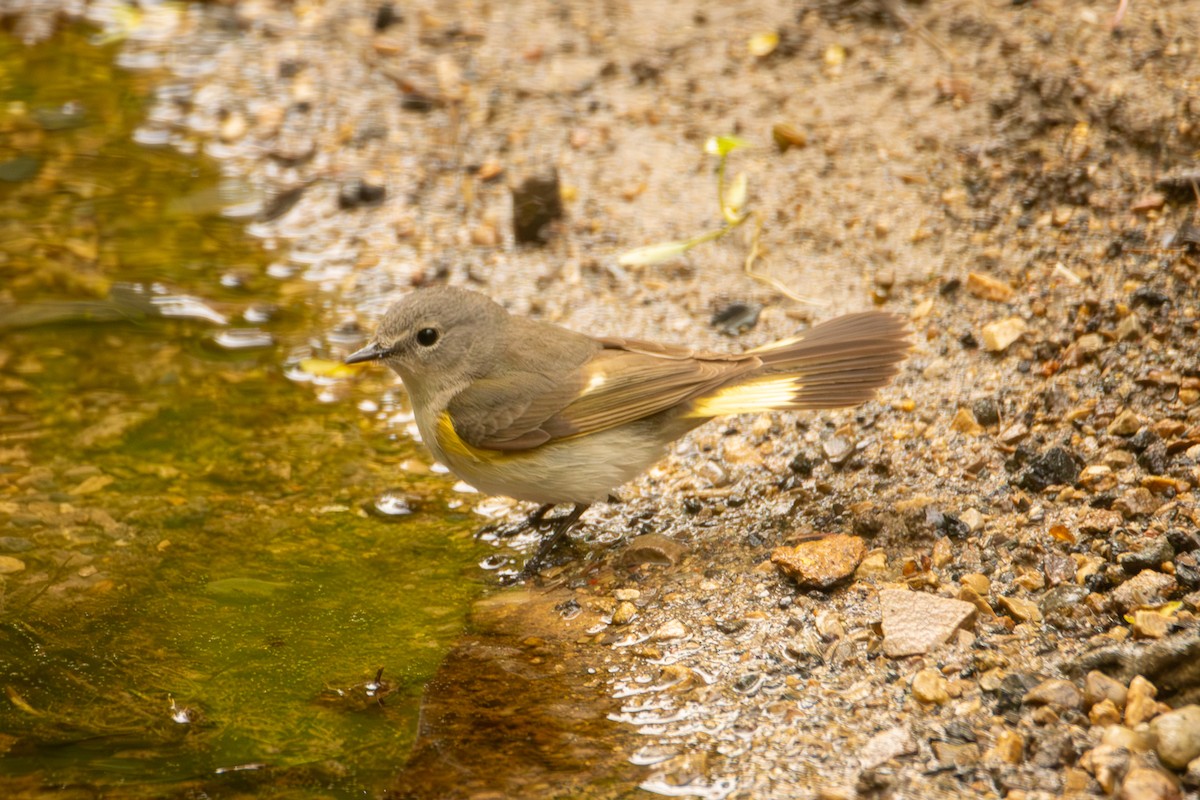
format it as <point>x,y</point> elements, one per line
<point>761,394</point>
<point>453,444</point>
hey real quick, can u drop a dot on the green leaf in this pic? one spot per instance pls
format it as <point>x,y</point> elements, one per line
<point>724,145</point>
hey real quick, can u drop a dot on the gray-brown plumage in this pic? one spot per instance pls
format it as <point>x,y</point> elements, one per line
<point>534,411</point>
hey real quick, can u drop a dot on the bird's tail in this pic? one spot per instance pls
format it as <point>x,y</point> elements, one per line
<point>836,364</point>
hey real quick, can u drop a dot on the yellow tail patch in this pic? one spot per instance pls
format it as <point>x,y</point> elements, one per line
<point>760,394</point>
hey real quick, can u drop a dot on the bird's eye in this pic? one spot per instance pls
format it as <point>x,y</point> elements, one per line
<point>427,337</point>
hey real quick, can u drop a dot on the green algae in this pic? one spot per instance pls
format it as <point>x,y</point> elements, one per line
<point>203,597</point>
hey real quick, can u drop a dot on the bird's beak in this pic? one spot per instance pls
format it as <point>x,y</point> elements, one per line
<point>372,352</point>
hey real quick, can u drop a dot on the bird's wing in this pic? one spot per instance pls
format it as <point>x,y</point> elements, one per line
<point>625,381</point>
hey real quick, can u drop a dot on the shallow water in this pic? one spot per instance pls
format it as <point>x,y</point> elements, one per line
<point>193,596</point>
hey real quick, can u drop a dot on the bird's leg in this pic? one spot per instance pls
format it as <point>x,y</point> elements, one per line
<point>535,521</point>
<point>559,530</point>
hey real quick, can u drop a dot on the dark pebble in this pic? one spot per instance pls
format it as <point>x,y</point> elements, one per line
<point>1054,467</point>
<point>802,464</point>
<point>736,318</point>
<point>536,203</point>
<point>986,411</point>
<point>1141,440</point>
<point>1183,541</point>
<point>1154,459</point>
<point>359,193</point>
<point>1063,602</point>
<point>1150,555</point>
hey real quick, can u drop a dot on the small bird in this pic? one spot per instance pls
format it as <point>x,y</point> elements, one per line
<point>537,412</point>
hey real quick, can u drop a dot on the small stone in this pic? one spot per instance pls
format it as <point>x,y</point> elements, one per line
<point>873,566</point>
<point>652,548</point>
<point>1009,748</point>
<point>821,563</point>
<point>980,583</point>
<point>627,594</point>
<point>1054,467</point>
<point>1140,705</point>
<point>972,519</point>
<point>1177,736</point>
<point>1054,692</point>
<point>1097,478</point>
<point>964,422</point>
<point>669,630</point>
<point>1138,502</point>
<point>1192,776</point>
<point>537,202</point>
<point>1108,763</point>
<point>1150,624</point>
<point>997,336</point>
<point>1021,609</point>
<point>969,595</point>
<point>916,622</point>
<point>1104,713</point>
<point>10,564</point>
<point>838,450</point>
<point>928,686</point>
<point>1144,783</point>
<point>1127,423</point>
<point>624,613</point>
<point>1147,588</point>
<point>886,745</point>
<point>988,288</point>
<point>1098,687</point>
<point>1100,520</point>
<point>1130,327</point>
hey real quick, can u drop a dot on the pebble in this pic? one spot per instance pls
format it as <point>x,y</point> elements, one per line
<point>1021,609</point>
<point>1177,736</point>
<point>1056,466</point>
<point>1104,713</point>
<point>1150,624</point>
<point>822,562</point>
<point>1054,692</point>
<point>10,564</point>
<point>1126,423</point>
<point>624,613</point>
<point>1098,478</point>
<point>669,630</point>
<point>997,336</point>
<point>873,566</point>
<point>652,548</point>
<point>1098,687</point>
<point>928,686</point>
<point>1147,588</point>
<point>916,622</point>
<point>1144,783</point>
<point>1009,748</point>
<point>1151,553</point>
<point>1140,705</point>
<point>537,202</point>
<point>964,422</point>
<point>1138,502</point>
<point>886,745</point>
<point>988,288</point>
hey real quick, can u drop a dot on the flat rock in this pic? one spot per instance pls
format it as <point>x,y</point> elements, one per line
<point>886,745</point>
<point>1054,692</point>
<point>998,335</point>
<point>822,562</point>
<point>1147,588</point>
<point>916,622</point>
